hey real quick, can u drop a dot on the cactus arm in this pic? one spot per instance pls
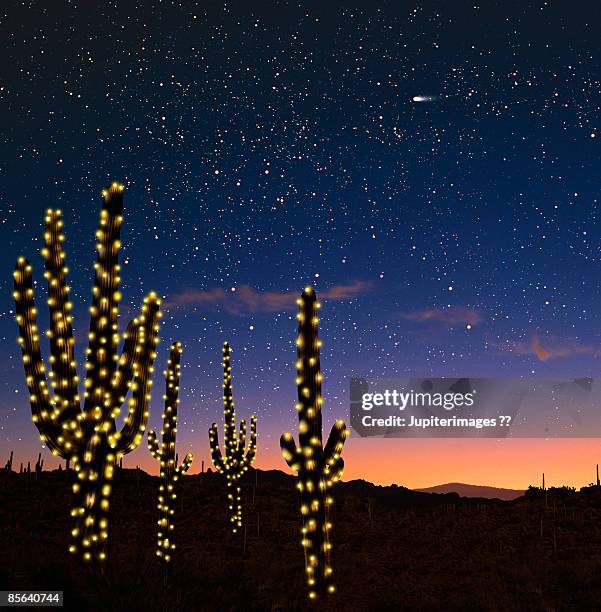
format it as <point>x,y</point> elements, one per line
<point>334,463</point>
<point>136,420</point>
<point>64,375</point>
<point>290,451</point>
<point>103,335</point>
<point>124,374</point>
<point>252,445</point>
<point>335,444</point>
<point>153,445</point>
<point>124,377</point>
<point>216,454</point>
<point>42,402</point>
<point>29,340</point>
<point>185,464</point>
<point>333,473</point>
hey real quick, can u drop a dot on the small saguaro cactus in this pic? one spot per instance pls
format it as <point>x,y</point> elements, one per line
<point>87,435</point>
<point>165,454</point>
<point>318,467</point>
<point>237,459</point>
<point>39,464</point>
<point>9,464</point>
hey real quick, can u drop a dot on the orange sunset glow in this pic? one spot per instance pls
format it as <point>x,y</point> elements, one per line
<point>509,463</point>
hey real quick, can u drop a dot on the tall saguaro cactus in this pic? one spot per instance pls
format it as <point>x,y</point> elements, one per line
<point>165,454</point>
<point>237,459</point>
<point>318,467</point>
<point>87,435</point>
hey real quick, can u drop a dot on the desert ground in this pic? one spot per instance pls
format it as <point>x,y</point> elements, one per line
<point>393,548</point>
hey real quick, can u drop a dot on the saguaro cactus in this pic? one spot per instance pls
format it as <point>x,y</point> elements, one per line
<point>165,454</point>
<point>9,464</point>
<point>237,459</point>
<point>318,467</point>
<point>87,435</point>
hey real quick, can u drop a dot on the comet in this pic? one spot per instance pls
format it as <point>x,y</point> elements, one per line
<point>424,98</point>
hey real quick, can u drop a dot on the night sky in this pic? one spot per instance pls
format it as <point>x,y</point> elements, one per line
<point>432,169</point>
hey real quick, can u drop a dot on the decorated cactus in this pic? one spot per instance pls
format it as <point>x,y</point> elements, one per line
<point>166,455</point>
<point>318,468</point>
<point>87,434</point>
<point>235,458</point>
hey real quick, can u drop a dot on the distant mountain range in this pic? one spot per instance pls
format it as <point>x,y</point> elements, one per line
<point>397,495</point>
<point>400,496</point>
<point>389,495</point>
<point>468,490</point>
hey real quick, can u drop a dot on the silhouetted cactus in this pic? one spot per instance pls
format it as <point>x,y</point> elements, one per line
<point>39,464</point>
<point>88,435</point>
<point>165,454</point>
<point>9,464</point>
<point>237,459</point>
<point>318,467</point>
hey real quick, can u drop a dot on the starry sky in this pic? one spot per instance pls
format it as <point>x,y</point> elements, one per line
<point>430,168</point>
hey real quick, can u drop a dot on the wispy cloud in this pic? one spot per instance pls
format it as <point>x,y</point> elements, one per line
<point>550,348</point>
<point>245,299</point>
<point>454,315</point>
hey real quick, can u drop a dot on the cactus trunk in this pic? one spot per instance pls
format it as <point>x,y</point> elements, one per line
<point>91,500</point>
<point>234,504</point>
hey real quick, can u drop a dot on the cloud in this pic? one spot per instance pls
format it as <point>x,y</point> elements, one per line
<point>552,349</point>
<point>454,315</point>
<point>247,300</point>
